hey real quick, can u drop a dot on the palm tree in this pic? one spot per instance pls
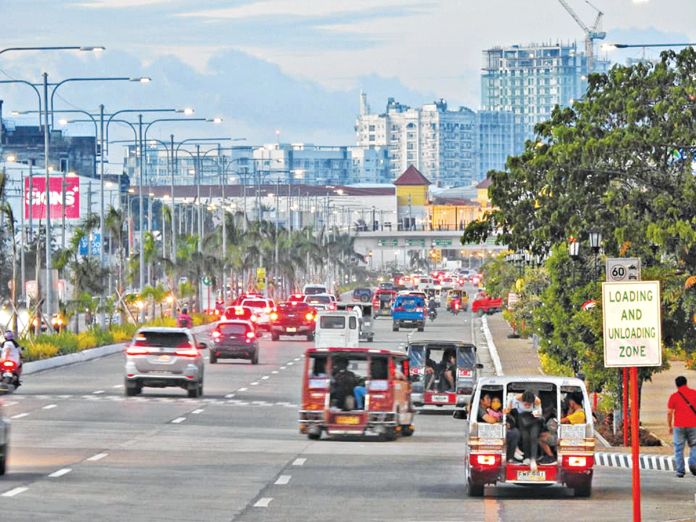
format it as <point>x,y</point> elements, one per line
<point>115,225</point>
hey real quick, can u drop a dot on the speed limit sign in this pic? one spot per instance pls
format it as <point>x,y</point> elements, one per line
<point>623,269</point>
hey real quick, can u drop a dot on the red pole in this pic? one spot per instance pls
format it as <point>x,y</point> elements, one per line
<point>635,444</point>
<point>594,402</point>
<point>625,406</point>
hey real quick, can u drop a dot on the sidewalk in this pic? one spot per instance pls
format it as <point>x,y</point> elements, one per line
<point>519,357</point>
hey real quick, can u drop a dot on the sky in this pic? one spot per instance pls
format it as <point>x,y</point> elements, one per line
<point>294,66</point>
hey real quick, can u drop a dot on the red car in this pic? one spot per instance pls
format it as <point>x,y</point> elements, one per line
<point>293,318</point>
<point>485,304</point>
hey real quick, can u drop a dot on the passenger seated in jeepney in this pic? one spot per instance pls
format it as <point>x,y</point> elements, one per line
<point>548,440</point>
<point>512,434</point>
<point>526,410</point>
<point>447,371</point>
<point>343,381</point>
<point>576,413</point>
<point>430,372</point>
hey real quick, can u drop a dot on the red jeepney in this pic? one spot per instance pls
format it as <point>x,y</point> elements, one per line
<point>356,391</point>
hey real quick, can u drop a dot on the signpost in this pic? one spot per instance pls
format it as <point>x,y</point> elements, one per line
<point>388,242</point>
<point>261,278</point>
<point>415,242</point>
<point>632,338</point>
<point>442,242</point>
<point>623,269</point>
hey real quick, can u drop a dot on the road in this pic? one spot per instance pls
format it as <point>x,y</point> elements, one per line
<point>82,451</point>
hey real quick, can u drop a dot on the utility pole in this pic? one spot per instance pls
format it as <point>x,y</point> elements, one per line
<point>139,157</point>
<point>101,211</point>
<point>49,261</point>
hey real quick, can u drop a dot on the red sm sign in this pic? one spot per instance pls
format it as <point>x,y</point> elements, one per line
<point>35,197</point>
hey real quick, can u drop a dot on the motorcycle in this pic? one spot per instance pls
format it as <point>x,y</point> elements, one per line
<point>10,376</point>
<point>432,314</point>
<point>456,307</point>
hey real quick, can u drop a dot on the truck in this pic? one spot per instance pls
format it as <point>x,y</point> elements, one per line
<point>409,311</point>
<point>485,304</point>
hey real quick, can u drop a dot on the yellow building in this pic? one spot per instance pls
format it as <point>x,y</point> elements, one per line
<point>457,213</point>
<point>411,199</point>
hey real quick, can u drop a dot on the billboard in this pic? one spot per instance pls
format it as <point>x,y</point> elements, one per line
<point>35,197</point>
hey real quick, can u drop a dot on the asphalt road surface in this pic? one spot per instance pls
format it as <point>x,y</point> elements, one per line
<point>82,451</point>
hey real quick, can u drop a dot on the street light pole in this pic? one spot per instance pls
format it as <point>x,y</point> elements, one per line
<point>101,211</point>
<point>139,157</point>
<point>49,263</point>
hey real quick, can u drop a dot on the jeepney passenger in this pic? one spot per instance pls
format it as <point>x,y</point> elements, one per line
<point>512,434</point>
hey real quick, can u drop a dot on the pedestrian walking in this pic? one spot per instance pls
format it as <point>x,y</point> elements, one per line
<point>681,421</point>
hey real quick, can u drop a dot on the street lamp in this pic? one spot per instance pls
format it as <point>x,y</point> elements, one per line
<point>77,48</point>
<point>595,245</point>
<point>573,247</point>
<point>614,46</point>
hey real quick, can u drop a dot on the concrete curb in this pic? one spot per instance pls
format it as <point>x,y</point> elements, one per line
<point>85,355</point>
<point>624,460</point>
<point>491,347</point>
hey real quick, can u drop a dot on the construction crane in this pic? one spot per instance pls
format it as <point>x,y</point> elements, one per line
<point>595,33</point>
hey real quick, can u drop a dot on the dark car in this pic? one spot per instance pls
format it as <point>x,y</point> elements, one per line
<point>235,339</point>
<point>293,318</point>
<point>362,294</point>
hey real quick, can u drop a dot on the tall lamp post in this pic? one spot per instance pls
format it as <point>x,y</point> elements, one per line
<point>595,245</point>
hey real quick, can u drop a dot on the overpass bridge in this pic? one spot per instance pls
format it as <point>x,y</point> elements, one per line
<point>396,248</point>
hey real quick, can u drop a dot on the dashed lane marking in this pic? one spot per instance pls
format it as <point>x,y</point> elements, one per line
<point>274,372</point>
<point>49,406</point>
<point>290,363</point>
<point>282,480</point>
<point>19,416</point>
<point>229,395</point>
<point>96,457</point>
<point>196,412</point>
<point>60,473</point>
<point>11,403</point>
<point>254,383</point>
<point>265,377</point>
<point>98,392</point>
<point>14,492</point>
<point>299,462</point>
<point>119,386</point>
<point>178,420</point>
<point>283,367</point>
<point>263,502</point>
<point>242,389</point>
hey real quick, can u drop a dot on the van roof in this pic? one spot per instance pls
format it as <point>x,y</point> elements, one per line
<point>311,351</point>
<point>506,379</point>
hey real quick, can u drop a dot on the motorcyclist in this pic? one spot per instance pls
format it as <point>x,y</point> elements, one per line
<point>432,307</point>
<point>12,351</point>
<point>184,320</point>
<point>456,305</point>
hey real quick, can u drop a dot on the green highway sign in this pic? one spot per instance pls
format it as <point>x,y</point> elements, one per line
<point>442,242</point>
<point>415,242</point>
<point>388,242</point>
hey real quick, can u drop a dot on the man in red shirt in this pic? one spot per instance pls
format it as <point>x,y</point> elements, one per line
<point>681,408</point>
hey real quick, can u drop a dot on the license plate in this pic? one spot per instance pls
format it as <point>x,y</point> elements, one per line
<point>291,329</point>
<point>531,476</point>
<point>439,398</point>
<point>164,358</point>
<point>348,420</point>
<point>160,372</point>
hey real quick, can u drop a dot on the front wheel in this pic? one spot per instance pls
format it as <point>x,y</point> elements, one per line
<point>3,459</point>
<point>255,359</point>
<point>314,436</point>
<point>407,430</point>
<point>213,358</point>
<point>389,434</point>
<point>275,336</point>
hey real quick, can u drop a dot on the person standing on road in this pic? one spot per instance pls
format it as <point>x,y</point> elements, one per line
<point>681,420</point>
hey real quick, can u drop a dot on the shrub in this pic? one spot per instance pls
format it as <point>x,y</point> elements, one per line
<point>39,351</point>
<point>158,321</point>
<point>87,339</point>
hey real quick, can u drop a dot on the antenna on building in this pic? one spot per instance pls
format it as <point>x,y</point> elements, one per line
<point>364,107</point>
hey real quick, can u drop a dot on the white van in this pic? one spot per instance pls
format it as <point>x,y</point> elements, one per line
<point>312,289</point>
<point>337,329</point>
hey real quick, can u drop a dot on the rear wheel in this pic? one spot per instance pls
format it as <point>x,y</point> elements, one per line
<point>255,358</point>
<point>407,430</point>
<point>275,336</point>
<point>474,490</point>
<point>395,327</point>
<point>213,358</point>
<point>133,389</point>
<point>421,328</point>
<point>314,436</point>
<point>194,391</point>
<point>583,491</point>
<point>310,337</point>
<point>389,434</point>
<point>3,458</point>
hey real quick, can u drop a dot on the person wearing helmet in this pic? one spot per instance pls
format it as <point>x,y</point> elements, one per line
<point>184,320</point>
<point>11,351</point>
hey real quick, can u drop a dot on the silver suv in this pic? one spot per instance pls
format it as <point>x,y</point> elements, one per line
<point>4,439</point>
<point>161,357</point>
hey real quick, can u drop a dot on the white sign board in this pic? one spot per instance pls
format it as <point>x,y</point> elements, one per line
<point>623,269</point>
<point>632,324</point>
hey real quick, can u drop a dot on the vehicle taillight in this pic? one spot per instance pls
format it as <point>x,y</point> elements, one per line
<point>577,462</point>
<point>268,309</point>
<point>9,365</point>
<point>136,350</point>
<point>250,335</point>
<point>399,309</point>
<point>487,461</point>
<point>332,306</point>
<point>309,317</point>
<point>253,318</point>
<point>188,352</point>
<point>274,316</point>
<point>419,309</point>
<point>216,334</point>
<point>456,306</point>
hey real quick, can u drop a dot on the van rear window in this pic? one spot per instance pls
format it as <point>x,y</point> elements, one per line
<point>161,339</point>
<point>332,322</point>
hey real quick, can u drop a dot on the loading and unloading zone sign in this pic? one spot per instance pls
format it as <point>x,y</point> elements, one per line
<point>632,324</point>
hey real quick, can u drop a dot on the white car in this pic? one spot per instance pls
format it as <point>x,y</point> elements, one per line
<point>263,308</point>
<point>321,301</point>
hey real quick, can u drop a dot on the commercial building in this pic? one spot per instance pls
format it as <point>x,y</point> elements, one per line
<point>531,80</point>
<point>498,138</point>
<point>439,142</point>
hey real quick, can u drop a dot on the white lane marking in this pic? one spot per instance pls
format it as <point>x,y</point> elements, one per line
<point>60,473</point>
<point>299,462</point>
<point>19,416</point>
<point>290,363</point>
<point>11,403</point>
<point>263,502</point>
<point>298,358</point>
<point>254,383</point>
<point>13,492</point>
<point>274,372</point>
<point>49,406</point>
<point>283,479</point>
<point>265,377</point>
<point>98,392</point>
<point>229,395</point>
<point>119,386</point>
<point>96,457</point>
<point>242,389</point>
<point>283,367</point>
<point>196,412</point>
<point>178,420</point>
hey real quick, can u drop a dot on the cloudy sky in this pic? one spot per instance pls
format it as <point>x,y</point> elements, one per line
<point>295,65</point>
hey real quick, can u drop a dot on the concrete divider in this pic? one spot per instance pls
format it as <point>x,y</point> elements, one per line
<point>87,355</point>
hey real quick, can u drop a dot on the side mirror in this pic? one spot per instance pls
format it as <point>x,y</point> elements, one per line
<point>479,365</point>
<point>202,346</point>
<point>460,414</point>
